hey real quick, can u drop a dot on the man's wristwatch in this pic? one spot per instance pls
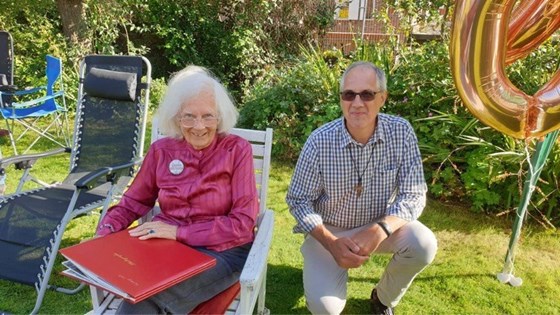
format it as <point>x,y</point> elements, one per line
<point>385,227</point>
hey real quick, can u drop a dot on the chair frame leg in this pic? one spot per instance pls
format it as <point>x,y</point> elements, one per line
<point>30,126</point>
<point>10,128</point>
<point>58,122</point>
<point>44,277</point>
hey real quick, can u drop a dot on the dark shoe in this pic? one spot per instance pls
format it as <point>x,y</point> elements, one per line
<point>377,307</point>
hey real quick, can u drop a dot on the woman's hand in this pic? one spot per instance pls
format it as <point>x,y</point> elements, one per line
<point>154,229</point>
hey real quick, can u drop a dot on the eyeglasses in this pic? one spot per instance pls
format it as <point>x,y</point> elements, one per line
<point>365,96</point>
<point>206,121</point>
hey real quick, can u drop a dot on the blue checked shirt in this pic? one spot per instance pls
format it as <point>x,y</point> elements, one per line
<point>322,190</point>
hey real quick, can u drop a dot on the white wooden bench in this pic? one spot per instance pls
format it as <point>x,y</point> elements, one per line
<point>253,276</point>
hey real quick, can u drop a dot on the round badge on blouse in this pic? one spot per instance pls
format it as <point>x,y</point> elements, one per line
<point>176,167</point>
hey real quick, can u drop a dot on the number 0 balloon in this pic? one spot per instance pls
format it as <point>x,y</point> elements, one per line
<point>532,22</point>
<point>486,35</point>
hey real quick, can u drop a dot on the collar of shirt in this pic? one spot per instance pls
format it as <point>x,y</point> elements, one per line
<point>203,152</point>
<point>378,135</point>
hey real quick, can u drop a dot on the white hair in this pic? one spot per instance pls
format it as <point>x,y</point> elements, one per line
<point>379,74</point>
<point>183,86</point>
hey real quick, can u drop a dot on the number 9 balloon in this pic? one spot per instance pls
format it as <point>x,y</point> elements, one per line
<point>487,35</point>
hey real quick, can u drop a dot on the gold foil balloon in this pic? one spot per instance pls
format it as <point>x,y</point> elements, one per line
<point>478,58</point>
<point>532,22</point>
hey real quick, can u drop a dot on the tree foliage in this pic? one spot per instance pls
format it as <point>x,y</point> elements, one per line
<point>236,39</point>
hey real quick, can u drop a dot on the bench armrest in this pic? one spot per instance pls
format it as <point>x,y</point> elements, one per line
<point>253,276</point>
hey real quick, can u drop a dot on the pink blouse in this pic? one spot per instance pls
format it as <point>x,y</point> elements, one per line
<point>210,194</point>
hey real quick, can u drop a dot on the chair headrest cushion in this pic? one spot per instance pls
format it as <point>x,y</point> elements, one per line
<point>110,84</point>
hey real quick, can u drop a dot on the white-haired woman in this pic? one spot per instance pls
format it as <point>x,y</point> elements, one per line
<point>203,180</point>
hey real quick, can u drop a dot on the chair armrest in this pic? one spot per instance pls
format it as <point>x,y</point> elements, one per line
<point>27,160</point>
<point>8,88</point>
<point>29,91</point>
<point>112,174</point>
<point>36,101</point>
<point>258,255</point>
<point>12,90</point>
<point>253,276</point>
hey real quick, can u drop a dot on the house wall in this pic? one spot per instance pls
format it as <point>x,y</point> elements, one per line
<point>345,30</point>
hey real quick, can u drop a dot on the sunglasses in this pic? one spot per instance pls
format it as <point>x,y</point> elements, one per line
<point>365,96</point>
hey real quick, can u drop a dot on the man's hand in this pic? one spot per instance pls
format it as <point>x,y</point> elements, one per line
<point>154,229</point>
<point>346,253</point>
<point>369,239</point>
<point>343,249</point>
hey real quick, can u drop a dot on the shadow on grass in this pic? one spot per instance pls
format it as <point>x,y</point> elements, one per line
<point>357,306</point>
<point>284,290</point>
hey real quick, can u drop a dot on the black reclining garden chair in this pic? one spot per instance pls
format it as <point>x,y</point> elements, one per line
<point>108,143</point>
<point>6,62</point>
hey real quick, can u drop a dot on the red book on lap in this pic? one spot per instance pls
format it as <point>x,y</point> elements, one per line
<point>131,268</point>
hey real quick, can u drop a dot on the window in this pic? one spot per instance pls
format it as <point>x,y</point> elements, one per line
<point>342,9</point>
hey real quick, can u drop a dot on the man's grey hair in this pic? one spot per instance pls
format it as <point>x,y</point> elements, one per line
<point>379,74</point>
<point>187,84</point>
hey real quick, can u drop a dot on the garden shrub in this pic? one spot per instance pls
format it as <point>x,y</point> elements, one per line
<point>235,39</point>
<point>295,100</point>
<point>464,161</point>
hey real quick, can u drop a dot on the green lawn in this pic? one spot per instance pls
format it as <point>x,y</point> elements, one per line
<point>462,279</point>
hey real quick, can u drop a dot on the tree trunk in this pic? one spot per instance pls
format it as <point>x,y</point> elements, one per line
<point>73,14</point>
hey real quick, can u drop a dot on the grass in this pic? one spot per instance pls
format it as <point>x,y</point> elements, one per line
<point>462,279</point>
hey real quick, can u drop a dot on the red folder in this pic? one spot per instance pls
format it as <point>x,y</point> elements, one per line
<point>131,268</point>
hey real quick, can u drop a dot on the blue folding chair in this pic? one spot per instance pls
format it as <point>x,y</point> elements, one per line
<point>40,102</point>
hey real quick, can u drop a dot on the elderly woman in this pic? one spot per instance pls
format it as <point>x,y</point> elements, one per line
<point>203,180</point>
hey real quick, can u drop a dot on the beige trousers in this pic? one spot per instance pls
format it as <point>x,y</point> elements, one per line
<point>413,247</point>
